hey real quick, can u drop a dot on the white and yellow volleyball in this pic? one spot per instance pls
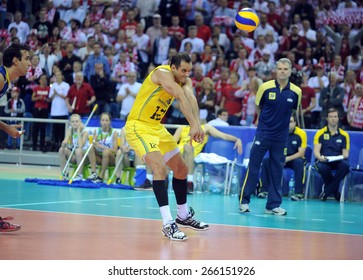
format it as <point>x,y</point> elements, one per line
<point>247,19</point>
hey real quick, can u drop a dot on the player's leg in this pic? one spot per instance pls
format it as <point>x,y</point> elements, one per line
<point>93,162</point>
<point>277,160</point>
<point>258,150</point>
<point>64,154</point>
<point>145,139</point>
<point>265,178</point>
<point>298,165</point>
<point>185,215</point>
<point>188,156</point>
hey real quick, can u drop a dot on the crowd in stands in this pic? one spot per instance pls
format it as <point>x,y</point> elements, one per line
<point>87,52</point>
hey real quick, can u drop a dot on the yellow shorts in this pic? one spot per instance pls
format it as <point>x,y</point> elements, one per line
<point>145,138</point>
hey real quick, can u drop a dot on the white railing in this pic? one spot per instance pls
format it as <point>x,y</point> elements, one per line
<point>22,121</point>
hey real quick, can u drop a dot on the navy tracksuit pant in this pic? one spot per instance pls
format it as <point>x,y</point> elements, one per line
<point>331,181</point>
<point>298,165</point>
<point>276,164</point>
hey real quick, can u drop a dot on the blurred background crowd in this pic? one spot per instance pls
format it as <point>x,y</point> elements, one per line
<point>105,48</point>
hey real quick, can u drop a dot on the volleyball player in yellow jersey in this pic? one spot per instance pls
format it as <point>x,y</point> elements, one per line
<point>157,147</point>
<point>189,152</point>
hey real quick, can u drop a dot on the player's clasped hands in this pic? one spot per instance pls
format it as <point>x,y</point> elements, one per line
<point>196,134</point>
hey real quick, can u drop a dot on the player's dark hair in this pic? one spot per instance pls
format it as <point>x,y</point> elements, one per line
<point>13,51</point>
<point>221,111</point>
<point>178,58</point>
<point>332,110</point>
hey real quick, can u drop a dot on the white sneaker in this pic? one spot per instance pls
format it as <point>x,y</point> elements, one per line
<point>262,195</point>
<point>92,177</point>
<point>297,197</point>
<point>98,180</point>
<point>172,231</point>
<point>244,208</point>
<point>276,211</point>
<point>79,177</point>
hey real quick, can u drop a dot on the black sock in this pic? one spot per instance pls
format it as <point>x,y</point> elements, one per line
<point>180,190</point>
<point>161,193</point>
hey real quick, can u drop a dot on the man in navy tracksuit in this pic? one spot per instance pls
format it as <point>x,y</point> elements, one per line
<point>295,159</point>
<point>331,140</point>
<point>275,100</point>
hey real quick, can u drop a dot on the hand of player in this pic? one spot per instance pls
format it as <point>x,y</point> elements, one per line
<point>80,128</point>
<point>13,131</point>
<point>196,134</point>
<point>323,158</point>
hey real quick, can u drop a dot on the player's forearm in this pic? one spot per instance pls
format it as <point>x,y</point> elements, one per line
<point>188,111</point>
<point>345,153</point>
<point>3,126</point>
<point>195,108</point>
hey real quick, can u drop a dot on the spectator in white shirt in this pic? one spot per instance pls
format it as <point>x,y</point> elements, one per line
<point>307,32</point>
<point>221,120</point>
<point>271,44</point>
<point>21,26</point>
<point>47,59</point>
<point>59,110</point>
<point>197,43</point>
<point>264,27</point>
<point>346,4</point>
<point>76,12</point>
<point>247,42</point>
<point>154,31</point>
<point>127,94</point>
<point>260,6</point>
<point>223,39</point>
<point>62,6</point>
<point>317,82</point>
<point>161,47</point>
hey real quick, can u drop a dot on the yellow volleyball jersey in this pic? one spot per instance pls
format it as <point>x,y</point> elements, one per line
<point>151,102</point>
<point>185,138</point>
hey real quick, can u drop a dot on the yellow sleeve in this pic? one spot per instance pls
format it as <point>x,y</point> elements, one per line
<point>303,136</point>
<point>259,94</point>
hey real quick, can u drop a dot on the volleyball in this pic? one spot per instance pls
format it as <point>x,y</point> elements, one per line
<point>247,19</point>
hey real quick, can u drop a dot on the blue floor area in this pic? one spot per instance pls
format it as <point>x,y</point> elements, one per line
<point>310,215</point>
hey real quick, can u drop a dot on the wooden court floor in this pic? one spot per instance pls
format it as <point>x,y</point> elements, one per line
<point>65,223</point>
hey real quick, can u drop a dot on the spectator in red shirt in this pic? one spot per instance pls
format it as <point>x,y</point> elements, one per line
<point>215,72</point>
<point>80,96</point>
<point>40,111</point>
<point>273,18</point>
<point>129,26</point>
<point>221,82</point>
<point>176,31</point>
<point>308,100</point>
<point>294,43</point>
<point>203,31</point>
<point>230,102</point>
<point>197,79</point>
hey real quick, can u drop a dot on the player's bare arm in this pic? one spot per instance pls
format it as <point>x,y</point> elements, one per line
<point>188,91</point>
<point>300,154</point>
<point>167,81</point>
<point>219,134</point>
<point>345,153</point>
<point>177,134</point>
<point>2,81</point>
<point>318,156</point>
